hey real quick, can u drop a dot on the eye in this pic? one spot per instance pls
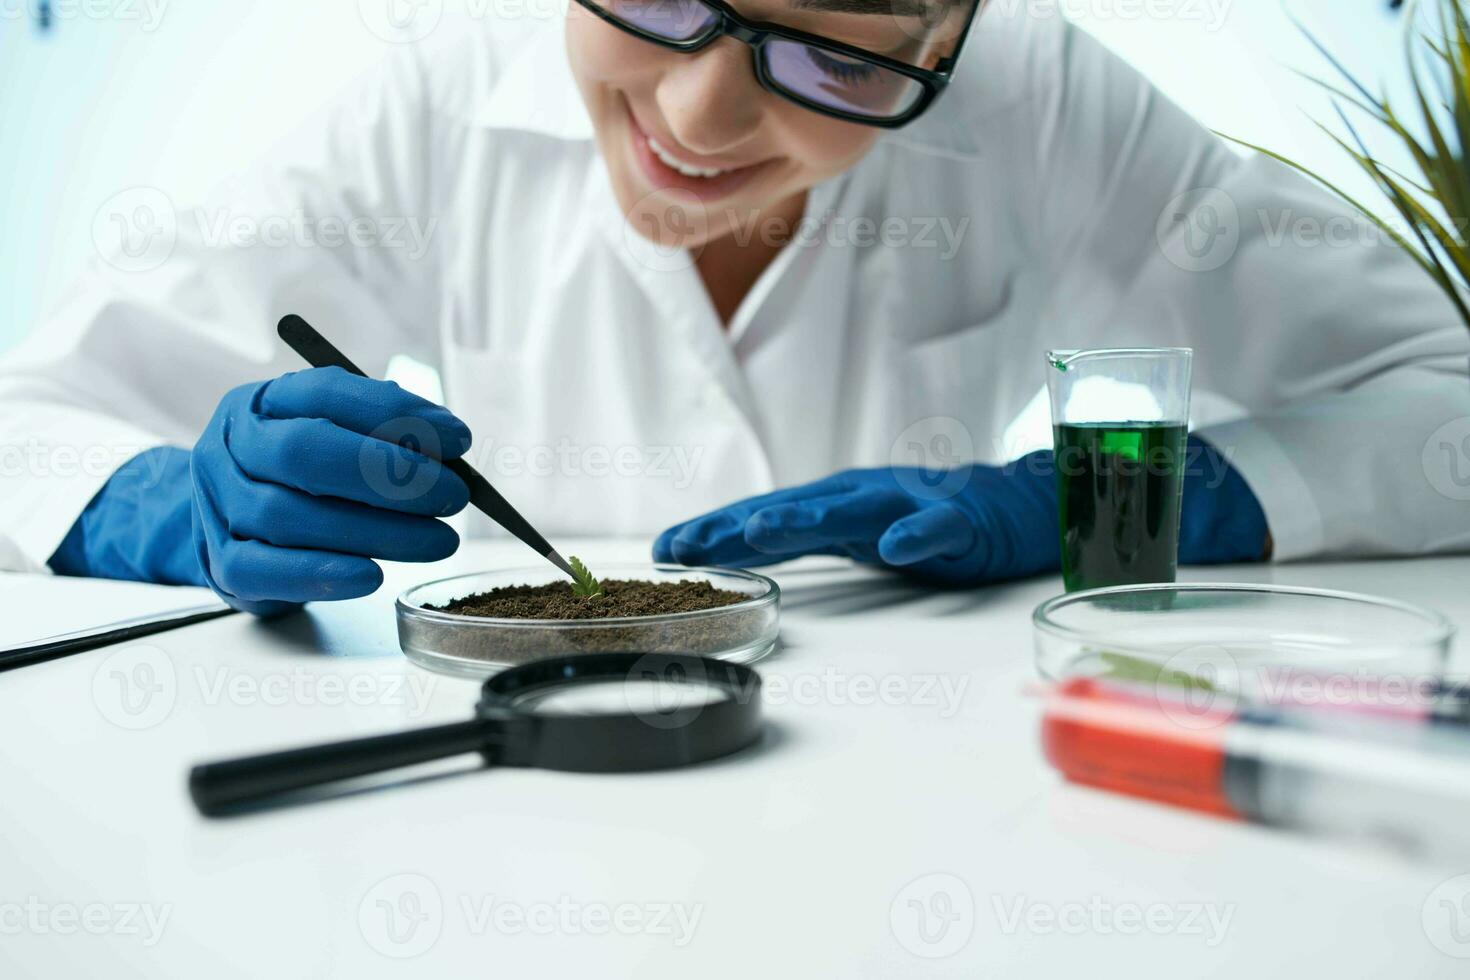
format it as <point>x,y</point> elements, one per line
<point>842,69</point>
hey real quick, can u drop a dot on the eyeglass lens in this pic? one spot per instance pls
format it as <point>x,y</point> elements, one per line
<point>807,72</point>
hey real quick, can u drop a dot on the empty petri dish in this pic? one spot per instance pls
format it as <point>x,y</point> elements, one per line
<point>1240,638</point>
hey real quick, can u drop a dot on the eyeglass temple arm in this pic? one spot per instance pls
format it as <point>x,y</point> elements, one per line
<point>946,66</point>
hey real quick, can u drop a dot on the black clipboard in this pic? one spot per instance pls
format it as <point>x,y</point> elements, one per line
<point>66,644</point>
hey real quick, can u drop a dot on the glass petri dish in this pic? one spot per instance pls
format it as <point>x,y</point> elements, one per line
<point>473,646</point>
<point>1238,638</point>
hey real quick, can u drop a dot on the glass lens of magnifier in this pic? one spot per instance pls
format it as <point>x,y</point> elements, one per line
<point>643,696</point>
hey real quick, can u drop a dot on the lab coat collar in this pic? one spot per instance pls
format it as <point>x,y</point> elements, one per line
<point>537,92</point>
<point>947,130</point>
<point>979,97</point>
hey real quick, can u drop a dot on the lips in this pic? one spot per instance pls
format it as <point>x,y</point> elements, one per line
<point>687,169</point>
<point>664,170</point>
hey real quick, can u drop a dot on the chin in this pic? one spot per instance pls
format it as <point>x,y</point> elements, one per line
<point>671,220</point>
<point>668,217</point>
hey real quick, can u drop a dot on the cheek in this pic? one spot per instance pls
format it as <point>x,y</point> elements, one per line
<point>823,146</point>
<point>601,54</point>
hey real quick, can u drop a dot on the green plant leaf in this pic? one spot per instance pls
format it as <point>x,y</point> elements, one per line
<point>1426,258</point>
<point>583,584</point>
<point>1332,60</point>
<point>1450,185</point>
<point>1419,219</point>
<point>1135,670</point>
<point>1375,109</point>
<point>1436,207</point>
<point>1305,171</point>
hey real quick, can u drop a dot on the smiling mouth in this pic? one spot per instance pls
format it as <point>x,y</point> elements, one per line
<point>665,171</point>
<point>687,169</point>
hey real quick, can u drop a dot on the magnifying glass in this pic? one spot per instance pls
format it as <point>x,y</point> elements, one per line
<point>606,712</point>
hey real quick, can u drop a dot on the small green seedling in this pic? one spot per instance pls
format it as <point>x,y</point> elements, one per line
<point>583,584</point>
<point>1121,667</point>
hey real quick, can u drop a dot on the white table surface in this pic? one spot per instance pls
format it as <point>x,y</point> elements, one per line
<point>810,856</point>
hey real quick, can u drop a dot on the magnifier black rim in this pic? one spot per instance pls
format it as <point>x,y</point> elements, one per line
<point>620,741</point>
<point>506,688</point>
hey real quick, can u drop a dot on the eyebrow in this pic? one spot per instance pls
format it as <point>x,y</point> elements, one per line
<point>895,8</point>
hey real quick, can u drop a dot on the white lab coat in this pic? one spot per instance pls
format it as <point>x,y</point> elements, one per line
<point>606,396</point>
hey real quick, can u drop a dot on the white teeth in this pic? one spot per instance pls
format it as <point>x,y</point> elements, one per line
<point>678,165</point>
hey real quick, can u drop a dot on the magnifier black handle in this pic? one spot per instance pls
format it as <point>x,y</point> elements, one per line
<point>220,787</point>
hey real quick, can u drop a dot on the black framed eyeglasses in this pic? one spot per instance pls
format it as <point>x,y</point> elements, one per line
<point>822,75</point>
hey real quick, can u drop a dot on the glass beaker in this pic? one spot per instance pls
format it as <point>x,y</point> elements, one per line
<point>1120,420</point>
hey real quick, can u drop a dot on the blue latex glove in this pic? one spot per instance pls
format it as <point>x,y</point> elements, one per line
<point>296,485</point>
<point>139,527</point>
<point>1220,519</point>
<point>965,526</point>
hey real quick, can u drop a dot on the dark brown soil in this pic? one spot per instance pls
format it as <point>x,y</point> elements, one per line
<point>620,598</point>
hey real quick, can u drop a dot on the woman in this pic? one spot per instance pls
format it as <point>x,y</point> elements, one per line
<point>657,275</point>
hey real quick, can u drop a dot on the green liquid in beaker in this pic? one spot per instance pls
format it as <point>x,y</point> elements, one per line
<point>1120,485</point>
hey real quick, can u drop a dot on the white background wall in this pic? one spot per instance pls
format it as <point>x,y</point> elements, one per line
<point>180,94</point>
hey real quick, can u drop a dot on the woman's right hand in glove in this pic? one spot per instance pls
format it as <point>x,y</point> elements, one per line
<point>295,487</point>
<point>298,483</point>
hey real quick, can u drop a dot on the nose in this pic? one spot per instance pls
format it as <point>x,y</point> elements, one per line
<point>711,100</point>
